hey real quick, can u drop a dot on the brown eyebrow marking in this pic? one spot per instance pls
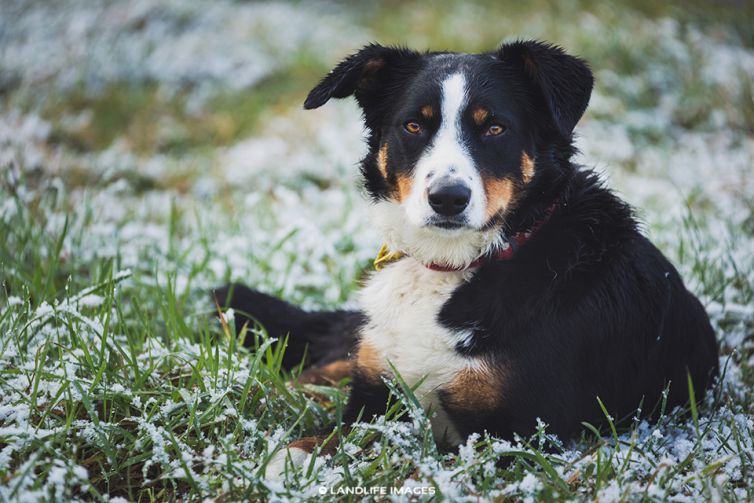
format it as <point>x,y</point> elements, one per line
<point>427,111</point>
<point>527,167</point>
<point>382,160</point>
<point>480,115</point>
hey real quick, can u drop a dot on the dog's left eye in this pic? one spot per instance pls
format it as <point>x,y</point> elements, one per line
<point>495,130</point>
<point>412,127</point>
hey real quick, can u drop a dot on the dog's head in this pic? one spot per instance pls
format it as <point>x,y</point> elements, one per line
<point>460,145</point>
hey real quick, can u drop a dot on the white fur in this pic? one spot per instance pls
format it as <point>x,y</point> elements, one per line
<point>447,159</point>
<point>403,301</point>
<point>457,248</point>
<point>275,469</point>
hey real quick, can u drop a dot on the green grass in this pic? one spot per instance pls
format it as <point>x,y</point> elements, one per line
<point>151,122</point>
<point>116,379</point>
<point>127,386</point>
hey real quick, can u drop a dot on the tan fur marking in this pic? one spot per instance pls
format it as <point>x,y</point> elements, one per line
<point>308,444</point>
<point>527,167</point>
<point>366,80</point>
<point>373,65</point>
<point>427,111</point>
<point>404,187</point>
<point>327,375</point>
<point>477,388</point>
<point>368,361</point>
<point>382,160</point>
<point>480,115</point>
<point>530,65</point>
<point>500,194</point>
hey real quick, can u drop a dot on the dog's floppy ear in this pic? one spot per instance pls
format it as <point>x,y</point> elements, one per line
<point>565,82</point>
<point>361,74</point>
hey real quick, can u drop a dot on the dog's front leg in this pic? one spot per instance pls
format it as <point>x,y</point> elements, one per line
<point>368,398</point>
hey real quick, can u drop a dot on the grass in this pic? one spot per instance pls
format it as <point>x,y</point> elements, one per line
<point>152,122</point>
<point>122,205</point>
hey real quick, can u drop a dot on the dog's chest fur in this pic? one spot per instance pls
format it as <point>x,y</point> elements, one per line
<point>402,303</point>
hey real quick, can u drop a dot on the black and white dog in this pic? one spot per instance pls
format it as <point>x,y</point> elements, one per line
<point>513,285</point>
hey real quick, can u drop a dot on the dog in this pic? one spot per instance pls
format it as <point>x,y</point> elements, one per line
<point>513,285</point>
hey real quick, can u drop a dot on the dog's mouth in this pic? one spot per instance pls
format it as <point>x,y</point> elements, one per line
<point>447,223</point>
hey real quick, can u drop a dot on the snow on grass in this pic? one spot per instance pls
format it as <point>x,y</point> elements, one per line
<point>115,380</point>
<point>201,44</point>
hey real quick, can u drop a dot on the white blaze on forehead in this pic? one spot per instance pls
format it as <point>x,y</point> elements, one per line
<point>447,157</point>
<point>453,101</point>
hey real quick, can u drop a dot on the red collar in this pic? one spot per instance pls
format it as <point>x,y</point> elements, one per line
<point>518,240</point>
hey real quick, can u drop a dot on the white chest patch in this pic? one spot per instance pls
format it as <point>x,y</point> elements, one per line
<point>403,302</point>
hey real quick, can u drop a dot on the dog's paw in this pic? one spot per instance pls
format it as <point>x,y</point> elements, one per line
<point>285,460</point>
<point>296,455</point>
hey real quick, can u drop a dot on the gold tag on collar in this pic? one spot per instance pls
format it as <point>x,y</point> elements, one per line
<point>385,257</point>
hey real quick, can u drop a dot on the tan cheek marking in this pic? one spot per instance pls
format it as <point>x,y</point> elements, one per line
<point>480,115</point>
<point>527,167</point>
<point>427,111</point>
<point>404,186</point>
<point>368,362</point>
<point>500,193</point>
<point>477,388</point>
<point>382,160</point>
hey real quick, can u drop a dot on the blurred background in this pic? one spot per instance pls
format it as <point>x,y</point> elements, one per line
<point>173,132</point>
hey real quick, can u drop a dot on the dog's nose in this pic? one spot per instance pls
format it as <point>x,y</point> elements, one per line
<point>449,199</point>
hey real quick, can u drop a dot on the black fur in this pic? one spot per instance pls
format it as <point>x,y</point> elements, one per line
<point>315,338</point>
<point>587,308</point>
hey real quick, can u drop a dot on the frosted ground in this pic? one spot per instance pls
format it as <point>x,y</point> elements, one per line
<point>152,150</point>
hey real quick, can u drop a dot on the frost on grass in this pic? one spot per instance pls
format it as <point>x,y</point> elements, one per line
<point>174,43</point>
<point>114,378</point>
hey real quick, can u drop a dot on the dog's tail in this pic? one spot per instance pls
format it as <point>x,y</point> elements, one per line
<point>322,337</point>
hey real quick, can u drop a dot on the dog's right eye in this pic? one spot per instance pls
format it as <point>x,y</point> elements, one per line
<point>495,130</point>
<point>412,127</point>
